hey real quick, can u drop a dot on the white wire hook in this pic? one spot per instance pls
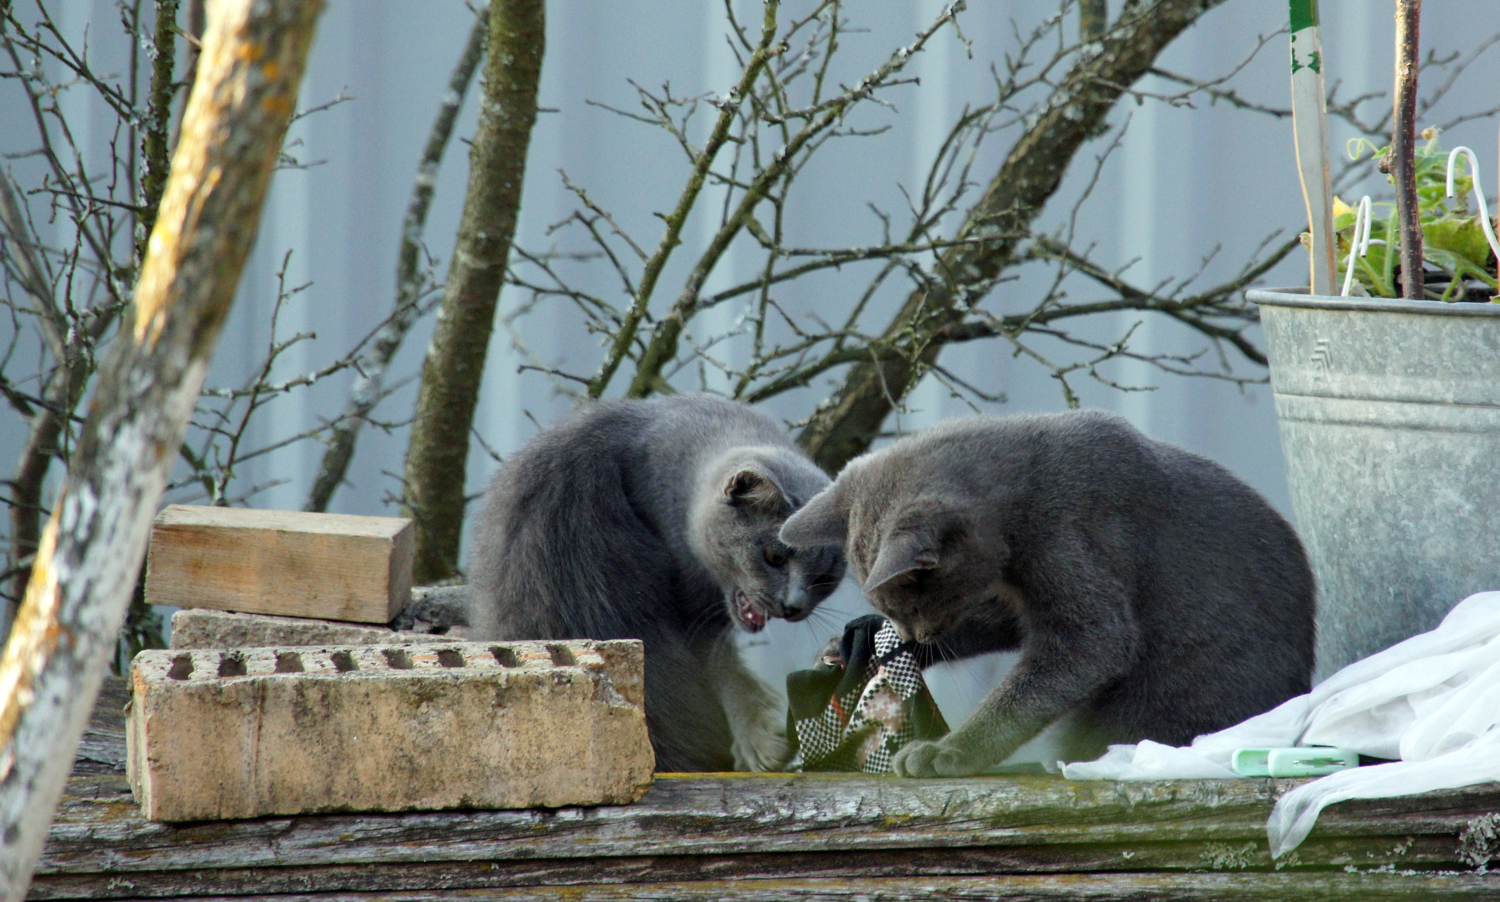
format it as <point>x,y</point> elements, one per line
<point>1484,210</point>
<point>1359,242</point>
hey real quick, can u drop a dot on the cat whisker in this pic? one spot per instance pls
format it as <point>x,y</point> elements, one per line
<point>827,620</point>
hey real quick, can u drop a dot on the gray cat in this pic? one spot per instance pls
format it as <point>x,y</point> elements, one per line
<point>1152,594</point>
<point>658,520</point>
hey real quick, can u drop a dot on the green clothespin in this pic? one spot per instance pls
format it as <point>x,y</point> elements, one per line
<point>1308,761</point>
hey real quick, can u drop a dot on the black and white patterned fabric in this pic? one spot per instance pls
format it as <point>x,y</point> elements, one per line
<point>854,710</point>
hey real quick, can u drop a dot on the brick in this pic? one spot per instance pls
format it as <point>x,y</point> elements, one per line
<point>432,608</point>
<point>207,628</point>
<point>215,734</point>
<point>330,566</point>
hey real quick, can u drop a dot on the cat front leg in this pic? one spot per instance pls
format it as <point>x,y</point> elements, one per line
<point>934,758</point>
<point>1022,706</point>
<point>1009,716</point>
<point>1071,653</point>
<point>757,719</point>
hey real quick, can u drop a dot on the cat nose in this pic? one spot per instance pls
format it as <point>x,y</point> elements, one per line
<point>797,605</point>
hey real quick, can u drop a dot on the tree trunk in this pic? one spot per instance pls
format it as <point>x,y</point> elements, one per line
<point>437,455</point>
<point>844,426</point>
<point>1403,146</point>
<point>91,550</point>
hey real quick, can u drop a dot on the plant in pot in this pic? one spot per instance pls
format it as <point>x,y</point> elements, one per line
<point>1389,408</point>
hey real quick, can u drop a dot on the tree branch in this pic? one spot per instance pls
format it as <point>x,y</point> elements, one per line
<point>662,346</point>
<point>845,425</point>
<point>728,112</point>
<point>1403,146</point>
<point>154,146</point>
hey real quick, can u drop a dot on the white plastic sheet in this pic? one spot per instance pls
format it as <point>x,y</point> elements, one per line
<point>1432,701</point>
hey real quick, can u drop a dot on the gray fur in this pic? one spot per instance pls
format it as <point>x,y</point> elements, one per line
<point>658,520</point>
<point>1149,590</point>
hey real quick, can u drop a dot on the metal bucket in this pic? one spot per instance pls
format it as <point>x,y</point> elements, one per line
<point>1390,423</point>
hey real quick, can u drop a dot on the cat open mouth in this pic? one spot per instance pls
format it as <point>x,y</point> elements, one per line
<point>747,613</point>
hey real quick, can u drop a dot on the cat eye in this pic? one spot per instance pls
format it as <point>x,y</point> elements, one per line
<point>775,556</point>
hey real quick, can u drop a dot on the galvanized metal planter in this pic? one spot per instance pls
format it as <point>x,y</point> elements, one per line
<point>1390,423</point>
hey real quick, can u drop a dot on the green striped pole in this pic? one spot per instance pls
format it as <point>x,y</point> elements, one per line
<point>1310,133</point>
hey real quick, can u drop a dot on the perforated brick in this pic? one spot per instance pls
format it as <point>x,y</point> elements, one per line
<point>230,734</point>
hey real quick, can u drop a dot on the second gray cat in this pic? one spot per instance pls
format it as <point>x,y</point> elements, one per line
<point>657,520</point>
<point>1152,594</point>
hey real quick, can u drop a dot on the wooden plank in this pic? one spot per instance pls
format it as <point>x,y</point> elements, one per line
<point>524,872</point>
<point>329,566</point>
<point>1134,887</point>
<point>102,749</point>
<point>1042,820</point>
<point>746,836</point>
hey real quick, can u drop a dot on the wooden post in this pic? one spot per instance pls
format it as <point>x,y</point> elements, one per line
<point>90,553</point>
<point>1310,137</point>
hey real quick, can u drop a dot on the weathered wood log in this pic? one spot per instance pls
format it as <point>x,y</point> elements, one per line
<point>328,566</point>
<point>1046,823</point>
<point>1242,886</point>
<point>90,553</point>
<point>753,836</point>
<point>103,749</point>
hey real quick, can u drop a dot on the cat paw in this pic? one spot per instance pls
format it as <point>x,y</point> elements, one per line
<point>923,758</point>
<point>762,746</point>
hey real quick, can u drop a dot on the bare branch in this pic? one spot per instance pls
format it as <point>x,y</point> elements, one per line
<point>845,424</point>
<point>728,108</point>
<point>662,346</point>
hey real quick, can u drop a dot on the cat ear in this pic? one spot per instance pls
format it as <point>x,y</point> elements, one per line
<point>755,488</point>
<point>900,552</point>
<point>822,521</point>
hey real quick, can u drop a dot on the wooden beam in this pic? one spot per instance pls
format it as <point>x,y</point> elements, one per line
<point>783,836</point>
<point>329,566</point>
<point>807,824</point>
<point>1125,887</point>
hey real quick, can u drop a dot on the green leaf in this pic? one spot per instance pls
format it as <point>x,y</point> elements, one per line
<point>1462,268</point>
<point>1463,237</point>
